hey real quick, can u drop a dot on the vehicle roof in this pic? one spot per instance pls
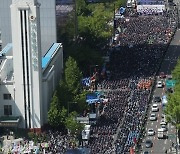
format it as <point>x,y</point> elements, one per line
<point>160,129</point>
<point>148,140</point>
<point>153,114</point>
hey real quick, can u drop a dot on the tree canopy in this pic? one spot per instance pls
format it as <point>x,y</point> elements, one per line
<point>56,113</point>
<point>73,76</point>
<point>176,71</point>
<point>72,125</point>
<point>172,109</point>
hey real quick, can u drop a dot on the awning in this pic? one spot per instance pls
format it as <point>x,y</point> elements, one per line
<point>9,121</point>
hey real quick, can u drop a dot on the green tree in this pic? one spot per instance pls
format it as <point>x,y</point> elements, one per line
<point>120,3</point>
<point>86,56</point>
<point>172,109</point>
<point>82,8</point>
<point>73,76</point>
<point>81,102</point>
<point>72,125</point>
<point>56,113</point>
<point>64,94</point>
<point>176,71</point>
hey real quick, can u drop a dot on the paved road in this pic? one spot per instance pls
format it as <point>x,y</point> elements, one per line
<point>169,62</point>
<point>172,54</point>
<point>159,145</point>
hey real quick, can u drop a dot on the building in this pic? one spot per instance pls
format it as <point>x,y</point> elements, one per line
<point>47,20</point>
<point>27,79</point>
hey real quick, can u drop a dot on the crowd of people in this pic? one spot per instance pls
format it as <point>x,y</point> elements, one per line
<point>148,29</point>
<point>143,42</point>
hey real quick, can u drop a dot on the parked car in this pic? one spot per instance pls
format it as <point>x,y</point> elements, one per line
<point>148,143</point>
<point>153,117</point>
<point>150,132</point>
<point>157,99</point>
<point>160,84</point>
<point>155,108</point>
<point>146,152</point>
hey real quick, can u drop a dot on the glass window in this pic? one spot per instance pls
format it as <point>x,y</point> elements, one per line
<point>7,110</point>
<point>7,96</point>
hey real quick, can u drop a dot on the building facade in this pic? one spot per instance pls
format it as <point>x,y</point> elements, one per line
<point>47,23</point>
<point>27,79</point>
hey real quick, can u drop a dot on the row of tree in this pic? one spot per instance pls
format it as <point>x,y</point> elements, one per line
<point>69,93</point>
<point>172,109</point>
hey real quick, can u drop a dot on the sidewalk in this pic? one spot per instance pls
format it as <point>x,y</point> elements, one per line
<point>173,151</point>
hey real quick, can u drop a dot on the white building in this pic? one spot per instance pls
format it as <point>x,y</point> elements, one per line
<point>47,20</point>
<point>27,80</point>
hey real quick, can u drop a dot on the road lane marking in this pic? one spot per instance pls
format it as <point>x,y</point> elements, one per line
<point>165,142</point>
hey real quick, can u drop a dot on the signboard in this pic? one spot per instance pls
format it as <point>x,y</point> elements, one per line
<point>34,43</point>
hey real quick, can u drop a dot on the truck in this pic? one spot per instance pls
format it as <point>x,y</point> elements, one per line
<point>161,134</point>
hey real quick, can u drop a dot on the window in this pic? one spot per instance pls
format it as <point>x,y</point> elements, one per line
<point>7,96</point>
<point>7,110</point>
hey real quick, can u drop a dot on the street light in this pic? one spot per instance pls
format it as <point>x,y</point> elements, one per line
<point>70,103</point>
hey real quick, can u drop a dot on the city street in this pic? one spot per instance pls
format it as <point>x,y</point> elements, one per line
<point>168,64</point>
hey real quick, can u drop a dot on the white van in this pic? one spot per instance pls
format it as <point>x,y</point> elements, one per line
<point>160,133</point>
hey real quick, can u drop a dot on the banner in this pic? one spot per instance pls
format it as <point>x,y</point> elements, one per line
<point>150,9</point>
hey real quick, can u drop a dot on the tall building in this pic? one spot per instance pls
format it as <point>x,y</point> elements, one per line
<point>27,78</point>
<point>26,39</point>
<point>47,22</point>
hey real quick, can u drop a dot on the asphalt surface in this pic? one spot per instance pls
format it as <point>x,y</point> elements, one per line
<point>168,64</point>
<point>172,54</point>
<point>159,145</point>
